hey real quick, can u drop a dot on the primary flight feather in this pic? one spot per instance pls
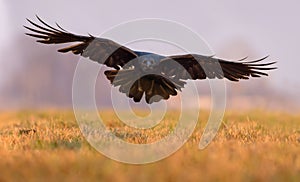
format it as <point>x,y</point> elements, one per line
<point>145,73</point>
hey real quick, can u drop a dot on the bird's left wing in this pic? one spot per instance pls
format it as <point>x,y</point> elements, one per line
<point>101,50</point>
<point>193,66</point>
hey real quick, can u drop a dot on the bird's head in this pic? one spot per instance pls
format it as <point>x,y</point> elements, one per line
<point>149,62</point>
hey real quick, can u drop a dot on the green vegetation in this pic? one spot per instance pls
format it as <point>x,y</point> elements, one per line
<point>250,146</point>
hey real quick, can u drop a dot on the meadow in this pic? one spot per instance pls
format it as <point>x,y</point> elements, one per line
<point>250,146</point>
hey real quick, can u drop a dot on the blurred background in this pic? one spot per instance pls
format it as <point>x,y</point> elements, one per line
<point>36,76</point>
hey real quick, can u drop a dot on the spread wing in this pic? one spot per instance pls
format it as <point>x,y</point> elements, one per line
<point>101,50</point>
<point>193,66</point>
<point>173,68</point>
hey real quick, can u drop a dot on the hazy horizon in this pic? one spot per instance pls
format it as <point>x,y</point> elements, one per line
<point>233,29</point>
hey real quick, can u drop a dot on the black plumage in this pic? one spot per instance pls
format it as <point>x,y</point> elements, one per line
<point>144,73</point>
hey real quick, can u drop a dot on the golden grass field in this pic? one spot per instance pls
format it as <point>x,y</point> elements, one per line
<point>250,146</point>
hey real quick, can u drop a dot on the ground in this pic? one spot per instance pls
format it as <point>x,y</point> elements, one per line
<point>250,146</point>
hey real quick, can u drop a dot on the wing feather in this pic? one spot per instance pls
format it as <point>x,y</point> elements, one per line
<point>174,69</point>
<point>202,67</point>
<point>101,50</point>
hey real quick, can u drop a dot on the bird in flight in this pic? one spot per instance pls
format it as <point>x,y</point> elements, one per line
<point>144,73</point>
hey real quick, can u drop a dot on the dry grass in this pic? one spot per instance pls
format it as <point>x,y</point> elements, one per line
<point>250,146</point>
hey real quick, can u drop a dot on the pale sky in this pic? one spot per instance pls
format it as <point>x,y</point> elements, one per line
<point>5,36</point>
<point>269,27</point>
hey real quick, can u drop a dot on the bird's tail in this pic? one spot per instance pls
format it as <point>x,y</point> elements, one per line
<point>155,87</point>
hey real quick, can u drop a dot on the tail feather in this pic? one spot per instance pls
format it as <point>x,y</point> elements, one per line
<point>154,87</point>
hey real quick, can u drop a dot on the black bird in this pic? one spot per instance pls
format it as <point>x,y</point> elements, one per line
<point>144,72</point>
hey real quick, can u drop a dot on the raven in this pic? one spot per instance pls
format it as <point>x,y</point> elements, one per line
<point>138,73</point>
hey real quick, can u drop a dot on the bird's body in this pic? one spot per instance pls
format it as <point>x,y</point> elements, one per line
<point>144,73</point>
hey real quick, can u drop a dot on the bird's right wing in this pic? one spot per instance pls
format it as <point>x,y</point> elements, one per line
<point>101,50</point>
<point>193,66</point>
